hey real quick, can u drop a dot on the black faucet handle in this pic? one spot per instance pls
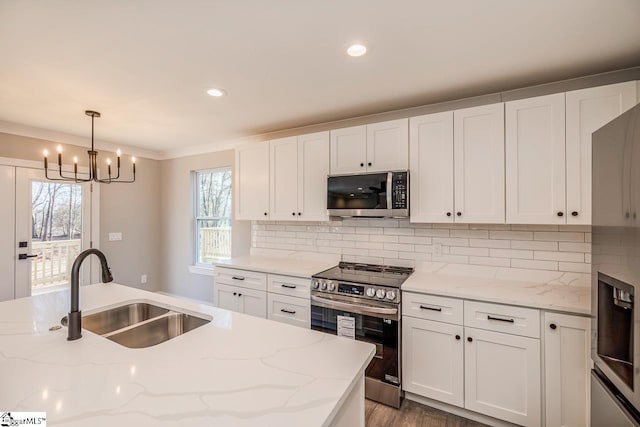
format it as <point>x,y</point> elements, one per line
<point>64,321</point>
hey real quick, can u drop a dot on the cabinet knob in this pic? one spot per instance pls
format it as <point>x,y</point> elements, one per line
<point>369,164</point>
<point>235,293</point>
<point>553,326</point>
<point>293,213</point>
<point>457,337</point>
<point>448,213</point>
<point>239,295</point>
<point>459,213</point>
<point>299,213</point>
<point>265,214</point>
<point>560,213</point>
<point>469,339</point>
<point>361,165</point>
<point>574,213</point>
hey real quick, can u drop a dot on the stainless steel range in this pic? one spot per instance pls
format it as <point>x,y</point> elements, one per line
<point>362,301</point>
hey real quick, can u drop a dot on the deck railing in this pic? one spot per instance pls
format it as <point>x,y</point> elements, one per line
<point>53,262</point>
<point>215,242</point>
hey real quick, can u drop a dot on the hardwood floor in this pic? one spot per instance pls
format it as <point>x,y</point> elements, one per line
<point>412,414</point>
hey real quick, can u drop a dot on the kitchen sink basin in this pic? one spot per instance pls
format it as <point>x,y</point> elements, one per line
<point>116,318</point>
<point>158,331</point>
<point>140,325</point>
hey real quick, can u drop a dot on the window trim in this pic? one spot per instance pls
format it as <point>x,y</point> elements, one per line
<point>195,217</point>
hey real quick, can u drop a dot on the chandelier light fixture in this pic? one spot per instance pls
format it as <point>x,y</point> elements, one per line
<point>93,164</point>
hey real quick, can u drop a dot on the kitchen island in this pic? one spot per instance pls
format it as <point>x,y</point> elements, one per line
<point>236,370</point>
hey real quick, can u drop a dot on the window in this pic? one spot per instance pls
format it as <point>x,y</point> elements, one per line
<point>213,215</point>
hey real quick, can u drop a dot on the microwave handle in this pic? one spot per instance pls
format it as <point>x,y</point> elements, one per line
<point>389,190</point>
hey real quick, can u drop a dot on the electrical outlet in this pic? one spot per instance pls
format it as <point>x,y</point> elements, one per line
<point>143,279</point>
<point>113,237</point>
<point>437,249</point>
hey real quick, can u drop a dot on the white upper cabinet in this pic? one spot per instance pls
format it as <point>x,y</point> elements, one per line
<point>388,146</point>
<point>284,179</point>
<point>478,153</point>
<point>431,167</point>
<point>252,182</point>
<point>587,110</point>
<point>313,168</point>
<point>377,147</point>
<point>298,184</point>
<point>349,150</point>
<point>535,162</point>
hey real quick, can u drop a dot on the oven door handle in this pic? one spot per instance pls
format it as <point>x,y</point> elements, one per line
<point>357,308</point>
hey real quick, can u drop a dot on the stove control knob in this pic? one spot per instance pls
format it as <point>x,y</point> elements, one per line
<point>324,286</point>
<point>371,292</point>
<point>380,293</point>
<point>315,284</point>
<point>391,295</point>
<point>332,286</point>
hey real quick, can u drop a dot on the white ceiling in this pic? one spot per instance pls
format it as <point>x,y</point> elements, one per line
<point>146,64</point>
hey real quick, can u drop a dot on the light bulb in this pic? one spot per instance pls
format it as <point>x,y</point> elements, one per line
<point>59,148</point>
<point>119,152</point>
<point>133,159</point>
<point>109,161</point>
<point>75,159</point>
<point>45,152</point>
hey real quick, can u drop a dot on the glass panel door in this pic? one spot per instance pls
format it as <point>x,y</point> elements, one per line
<point>56,233</point>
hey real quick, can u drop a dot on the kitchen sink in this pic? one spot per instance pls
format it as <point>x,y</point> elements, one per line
<point>140,325</point>
<point>158,331</point>
<point>117,318</point>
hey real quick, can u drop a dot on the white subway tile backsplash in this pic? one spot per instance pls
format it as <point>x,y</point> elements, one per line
<point>511,235</point>
<point>560,236</point>
<point>534,264</point>
<point>511,253</point>
<point>560,256</point>
<point>399,242</point>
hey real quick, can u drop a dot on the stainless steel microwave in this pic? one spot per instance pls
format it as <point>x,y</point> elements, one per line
<point>372,195</point>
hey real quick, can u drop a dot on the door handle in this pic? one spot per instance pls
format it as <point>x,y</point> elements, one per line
<point>25,256</point>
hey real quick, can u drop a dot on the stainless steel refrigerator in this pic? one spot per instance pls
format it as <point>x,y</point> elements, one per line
<point>615,379</point>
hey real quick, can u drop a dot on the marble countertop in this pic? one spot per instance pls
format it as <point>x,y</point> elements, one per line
<point>564,292</point>
<point>235,371</point>
<point>277,265</point>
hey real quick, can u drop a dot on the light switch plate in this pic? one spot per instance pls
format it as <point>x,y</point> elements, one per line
<point>115,237</point>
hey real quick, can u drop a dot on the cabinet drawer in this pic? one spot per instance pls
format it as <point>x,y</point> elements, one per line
<point>291,310</point>
<point>430,307</point>
<point>243,278</point>
<point>502,318</point>
<point>286,285</point>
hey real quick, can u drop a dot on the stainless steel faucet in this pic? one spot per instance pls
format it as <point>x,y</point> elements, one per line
<point>75,315</point>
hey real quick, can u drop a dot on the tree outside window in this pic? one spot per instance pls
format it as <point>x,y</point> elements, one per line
<point>213,215</point>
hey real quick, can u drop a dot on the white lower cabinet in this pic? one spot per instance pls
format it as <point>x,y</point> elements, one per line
<point>432,360</point>
<point>502,376</point>
<point>567,365</point>
<point>292,310</point>
<point>241,300</point>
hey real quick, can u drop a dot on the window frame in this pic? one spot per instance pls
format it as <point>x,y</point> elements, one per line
<point>197,217</point>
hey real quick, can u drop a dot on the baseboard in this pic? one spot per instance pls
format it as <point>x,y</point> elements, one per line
<point>461,412</point>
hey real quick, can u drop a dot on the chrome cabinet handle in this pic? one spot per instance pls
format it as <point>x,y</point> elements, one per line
<point>489,317</point>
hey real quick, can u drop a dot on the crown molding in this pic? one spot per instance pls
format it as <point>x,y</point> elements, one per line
<point>81,141</point>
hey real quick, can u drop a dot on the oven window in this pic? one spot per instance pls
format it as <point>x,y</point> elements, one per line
<point>383,333</point>
<point>615,327</point>
<point>357,192</point>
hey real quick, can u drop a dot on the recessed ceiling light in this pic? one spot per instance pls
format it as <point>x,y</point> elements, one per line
<point>357,50</point>
<point>216,92</point>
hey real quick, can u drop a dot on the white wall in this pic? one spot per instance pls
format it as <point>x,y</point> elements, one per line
<point>178,228</point>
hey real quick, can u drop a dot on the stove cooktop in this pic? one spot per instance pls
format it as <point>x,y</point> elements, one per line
<point>368,274</point>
